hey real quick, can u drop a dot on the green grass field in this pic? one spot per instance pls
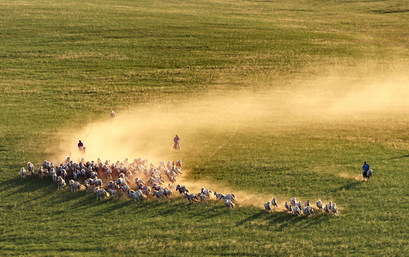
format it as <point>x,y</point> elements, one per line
<point>270,98</point>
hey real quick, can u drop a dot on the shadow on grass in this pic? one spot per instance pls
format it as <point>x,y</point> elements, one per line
<point>255,216</point>
<point>45,191</point>
<point>280,220</point>
<point>400,157</point>
<point>163,207</point>
<point>285,220</point>
<point>38,187</point>
<point>349,186</point>
<point>27,184</point>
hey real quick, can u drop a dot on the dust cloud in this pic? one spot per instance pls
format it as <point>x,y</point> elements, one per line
<point>147,130</point>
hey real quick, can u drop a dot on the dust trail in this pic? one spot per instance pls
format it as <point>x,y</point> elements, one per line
<point>147,130</point>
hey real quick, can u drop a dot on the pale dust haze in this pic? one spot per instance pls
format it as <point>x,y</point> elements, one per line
<point>147,131</point>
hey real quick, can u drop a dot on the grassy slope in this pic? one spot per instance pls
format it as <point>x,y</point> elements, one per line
<point>63,62</point>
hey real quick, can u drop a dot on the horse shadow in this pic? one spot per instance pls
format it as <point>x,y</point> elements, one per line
<point>349,186</point>
<point>280,220</point>
<point>255,216</point>
<point>400,157</point>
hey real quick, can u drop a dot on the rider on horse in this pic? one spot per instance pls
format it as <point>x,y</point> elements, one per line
<point>365,169</point>
<point>176,144</point>
<point>81,147</point>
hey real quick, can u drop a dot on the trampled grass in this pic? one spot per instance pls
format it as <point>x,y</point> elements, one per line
<point>282,98</point>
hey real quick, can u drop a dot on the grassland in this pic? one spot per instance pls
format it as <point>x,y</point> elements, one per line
<point>327,83</point>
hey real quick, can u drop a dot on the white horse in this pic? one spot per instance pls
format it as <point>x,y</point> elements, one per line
<point>367,174</point>
<point>23,172</point>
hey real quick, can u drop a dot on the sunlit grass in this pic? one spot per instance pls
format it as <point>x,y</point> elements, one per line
<point>66,64</point>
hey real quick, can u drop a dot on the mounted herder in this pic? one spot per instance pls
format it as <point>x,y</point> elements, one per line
<point>366,171</point>
<point>176,143</point>
<point>81,147</point>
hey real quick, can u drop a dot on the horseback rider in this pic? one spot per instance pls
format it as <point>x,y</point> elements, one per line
<point>365,169</point>
<point>176,144</point>
<point>81,147</point>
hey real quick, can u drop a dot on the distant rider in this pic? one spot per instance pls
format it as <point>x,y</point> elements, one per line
<point>365,169</point>
<point>176,144</point>
<point>81,147</point>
